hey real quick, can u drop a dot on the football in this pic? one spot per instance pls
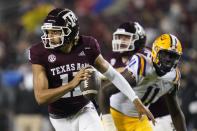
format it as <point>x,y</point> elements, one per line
<point>89,88</point>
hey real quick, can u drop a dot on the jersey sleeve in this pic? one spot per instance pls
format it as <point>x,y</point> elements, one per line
<point>173,78</point>
<point>34,56</point>
<point>177,78</point>
<point>95,48</point>
<point>137,65</point>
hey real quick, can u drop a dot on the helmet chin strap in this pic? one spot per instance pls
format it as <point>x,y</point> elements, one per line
<point>75,41</point>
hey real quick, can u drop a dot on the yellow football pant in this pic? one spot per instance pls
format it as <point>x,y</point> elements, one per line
<point>127,123</point>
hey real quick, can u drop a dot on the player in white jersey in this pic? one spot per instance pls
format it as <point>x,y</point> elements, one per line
<point>128,39</point>
<point>150,78</point>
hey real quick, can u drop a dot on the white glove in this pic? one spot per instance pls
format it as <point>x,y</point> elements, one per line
<point>108,123</point>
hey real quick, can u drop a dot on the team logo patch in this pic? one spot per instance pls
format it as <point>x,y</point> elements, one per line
<point>51,58</point>
<point>82,54</point>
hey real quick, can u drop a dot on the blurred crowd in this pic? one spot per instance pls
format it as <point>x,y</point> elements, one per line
<point>20,28</point>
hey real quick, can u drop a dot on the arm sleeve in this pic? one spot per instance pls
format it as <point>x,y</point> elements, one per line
<point>177,77</point>
<point>120,82</point>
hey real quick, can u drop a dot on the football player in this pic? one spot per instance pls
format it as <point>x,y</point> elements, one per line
<point>128,39</point>
<point>150,78</point>
<point>123,48</point>
<point>59,63</point>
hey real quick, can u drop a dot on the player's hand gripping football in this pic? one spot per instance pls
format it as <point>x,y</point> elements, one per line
<point>143,110</point>
<point>83,74</point>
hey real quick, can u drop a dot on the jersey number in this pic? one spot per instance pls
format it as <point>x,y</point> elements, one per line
<point>75,91</point>
<point>149,95</point>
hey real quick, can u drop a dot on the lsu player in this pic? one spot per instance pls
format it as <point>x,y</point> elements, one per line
<point>150,78</point>
<point>123,48</point>
<point>59,63</point>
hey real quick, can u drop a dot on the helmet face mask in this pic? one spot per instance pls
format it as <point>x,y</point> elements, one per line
<point>63,20</point>
<point>168,60</point>
<point>48,41</point>
<point>135,34</point>
<point>166,52</point>
<point>121,45</point>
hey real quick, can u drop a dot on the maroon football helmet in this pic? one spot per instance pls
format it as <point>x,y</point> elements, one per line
<point>135,32</point>
<point>63,20</point>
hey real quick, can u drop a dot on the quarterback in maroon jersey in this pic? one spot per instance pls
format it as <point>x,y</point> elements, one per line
<point>59,63</point>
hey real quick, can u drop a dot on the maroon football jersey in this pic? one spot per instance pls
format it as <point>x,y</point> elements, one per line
<point>115,60</point>
<point>62,67</point>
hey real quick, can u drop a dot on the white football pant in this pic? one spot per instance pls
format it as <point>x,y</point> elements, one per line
<point>164,123</point>
<point>86,119</point>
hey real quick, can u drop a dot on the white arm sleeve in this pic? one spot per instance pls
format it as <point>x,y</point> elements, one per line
<point>120,82</point>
